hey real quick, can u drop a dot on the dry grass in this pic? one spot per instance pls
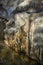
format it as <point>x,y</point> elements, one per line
<point>10,57</point>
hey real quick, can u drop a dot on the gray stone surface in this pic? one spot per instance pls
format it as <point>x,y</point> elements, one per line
<point>25,14</point>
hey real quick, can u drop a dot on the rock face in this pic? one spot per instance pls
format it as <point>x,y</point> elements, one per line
<point>2,27</point>
<point>17,31</point>
<point>18,5</point>
<point>24,28</point>
<point>36,35</point>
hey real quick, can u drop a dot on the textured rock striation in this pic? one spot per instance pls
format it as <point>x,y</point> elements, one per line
<point>24,26</point>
